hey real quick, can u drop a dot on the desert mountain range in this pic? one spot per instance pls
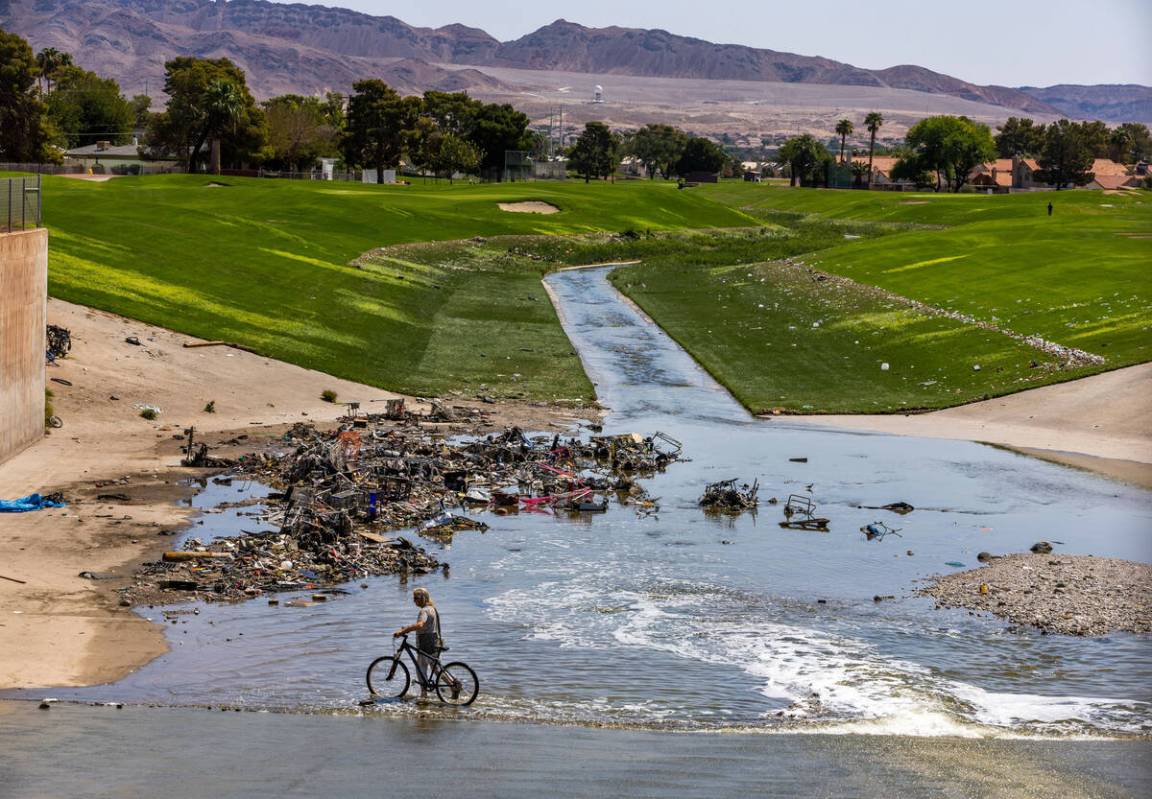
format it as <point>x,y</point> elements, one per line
<point>312,48</point>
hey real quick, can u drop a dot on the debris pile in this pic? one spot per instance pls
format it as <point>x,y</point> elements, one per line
<point>336,493</point>
<point>726,497</point>
<point>58,343</point>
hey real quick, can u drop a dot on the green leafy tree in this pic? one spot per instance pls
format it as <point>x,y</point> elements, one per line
<point>1066,159</point>
<point>141,111</point>
<point>495,130</point>
<point>86,108</point>
<point>25,131</point>
<point>454,154</point>
<point>50,60</point>
<point>948,146</point>
<point>208,101</point>
<point>805,158</point>
<point>300,131</point>
<point>595,153</point>
<point>873,122</point>
<point>1130,143</point>
<point>378,126</point>
<point>1019,136</point>
<point>844,129</point>
<point>700,155</point>
<point>658,148</point>
<point>453,112</point>
<point>1098,137</point>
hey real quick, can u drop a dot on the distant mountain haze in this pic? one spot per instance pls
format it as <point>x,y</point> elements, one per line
<point>310,48</point>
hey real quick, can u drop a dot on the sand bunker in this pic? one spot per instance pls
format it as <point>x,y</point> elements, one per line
<point>530,207</point>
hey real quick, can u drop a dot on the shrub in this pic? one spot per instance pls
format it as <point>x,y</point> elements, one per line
<point>328,395</point>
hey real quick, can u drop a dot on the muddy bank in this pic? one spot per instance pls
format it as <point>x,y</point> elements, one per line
<point>1066,594</point>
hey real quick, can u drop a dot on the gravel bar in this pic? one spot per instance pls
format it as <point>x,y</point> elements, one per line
<point>1067,594</point>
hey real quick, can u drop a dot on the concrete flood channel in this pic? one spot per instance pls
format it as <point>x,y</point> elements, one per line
<point>693,622</point>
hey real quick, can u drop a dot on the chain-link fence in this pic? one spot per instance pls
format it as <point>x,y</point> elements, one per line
<point>19,203</point>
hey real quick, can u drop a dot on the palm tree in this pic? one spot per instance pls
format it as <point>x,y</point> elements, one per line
<point>49,60</point>
<point>873,122</point>
<point>223,107</point>
<point>844,129</point>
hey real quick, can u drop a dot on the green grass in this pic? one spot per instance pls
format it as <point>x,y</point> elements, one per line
<point>1079,278</point>
<point>266,264</point>
<point>276,266</point>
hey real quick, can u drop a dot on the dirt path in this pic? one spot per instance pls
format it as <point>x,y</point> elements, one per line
<point>57,628</point>
<point>1102,423</point>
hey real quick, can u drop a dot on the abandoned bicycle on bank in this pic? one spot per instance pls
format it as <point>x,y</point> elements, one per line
<point>455,683</point>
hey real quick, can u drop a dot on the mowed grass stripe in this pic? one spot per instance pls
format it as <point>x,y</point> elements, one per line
<point>265,263</point>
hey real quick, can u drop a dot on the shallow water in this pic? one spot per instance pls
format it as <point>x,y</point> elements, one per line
<point>686,621</point>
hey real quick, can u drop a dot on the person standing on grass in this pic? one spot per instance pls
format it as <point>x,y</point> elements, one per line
<point>1049,209</point>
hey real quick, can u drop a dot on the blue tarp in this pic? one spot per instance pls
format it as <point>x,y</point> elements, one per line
<point>30,502</point>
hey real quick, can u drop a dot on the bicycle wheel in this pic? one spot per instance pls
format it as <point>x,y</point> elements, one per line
<point>388,676</point>
<point>457,685</point>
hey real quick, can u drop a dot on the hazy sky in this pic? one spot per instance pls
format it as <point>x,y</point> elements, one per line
<point>1008,42</point>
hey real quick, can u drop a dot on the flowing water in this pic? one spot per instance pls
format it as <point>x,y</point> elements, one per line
<point>685,621</point>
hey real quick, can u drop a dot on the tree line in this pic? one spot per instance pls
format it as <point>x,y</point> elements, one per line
<point>47,105</point>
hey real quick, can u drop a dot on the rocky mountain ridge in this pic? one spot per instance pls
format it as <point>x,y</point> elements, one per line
<point>307,48</point>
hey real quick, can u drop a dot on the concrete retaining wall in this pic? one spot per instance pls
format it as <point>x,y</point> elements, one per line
<point>23,308</point>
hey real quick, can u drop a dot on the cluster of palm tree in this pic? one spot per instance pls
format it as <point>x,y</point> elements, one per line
<point>49,60</point>
<point>872,122</point>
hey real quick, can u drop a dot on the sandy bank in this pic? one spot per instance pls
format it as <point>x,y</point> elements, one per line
<point>1102,423</point>
<point>60,629</point>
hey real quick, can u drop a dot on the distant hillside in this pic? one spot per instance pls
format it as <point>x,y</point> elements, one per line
<point>1127,102</point>
<point>309,48</point>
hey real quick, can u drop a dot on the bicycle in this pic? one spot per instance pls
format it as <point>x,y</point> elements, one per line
<point>455,683</point>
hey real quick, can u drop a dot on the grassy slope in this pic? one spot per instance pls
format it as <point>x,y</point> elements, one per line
<point>1076,279</point>
<point>265,263</point>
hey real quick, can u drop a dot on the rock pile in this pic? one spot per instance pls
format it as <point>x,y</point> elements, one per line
<point>1068,594</point>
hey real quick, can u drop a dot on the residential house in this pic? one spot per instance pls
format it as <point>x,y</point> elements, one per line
<point>881,168</point>
<point>1107,174</point>
<point>117,159</point>
<point>996,175</point>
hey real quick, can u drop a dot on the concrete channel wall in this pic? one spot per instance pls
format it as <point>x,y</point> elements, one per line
<point>23,309</point>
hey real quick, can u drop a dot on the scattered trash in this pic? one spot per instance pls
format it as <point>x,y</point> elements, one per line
<point>725,496</point>
<point>798,460</point>
<point>13,580</point>
<point>1042,548</point>
<point>32,502</point>
<point>336,495</point>
<point>877,531</point>
<point>61,381</point>
<point>881,598</point>
<point>896,507</point>
<point>954,563</point>
<point>133,341</point>
<point>800,514</point>
<point>59,340</point>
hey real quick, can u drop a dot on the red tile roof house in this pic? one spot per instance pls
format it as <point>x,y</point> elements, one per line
<point>994,174</point>
<point>1107,175</point>
<point>881,168</point>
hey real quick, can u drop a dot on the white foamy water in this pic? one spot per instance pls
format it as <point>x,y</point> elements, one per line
<point>808,677</point>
